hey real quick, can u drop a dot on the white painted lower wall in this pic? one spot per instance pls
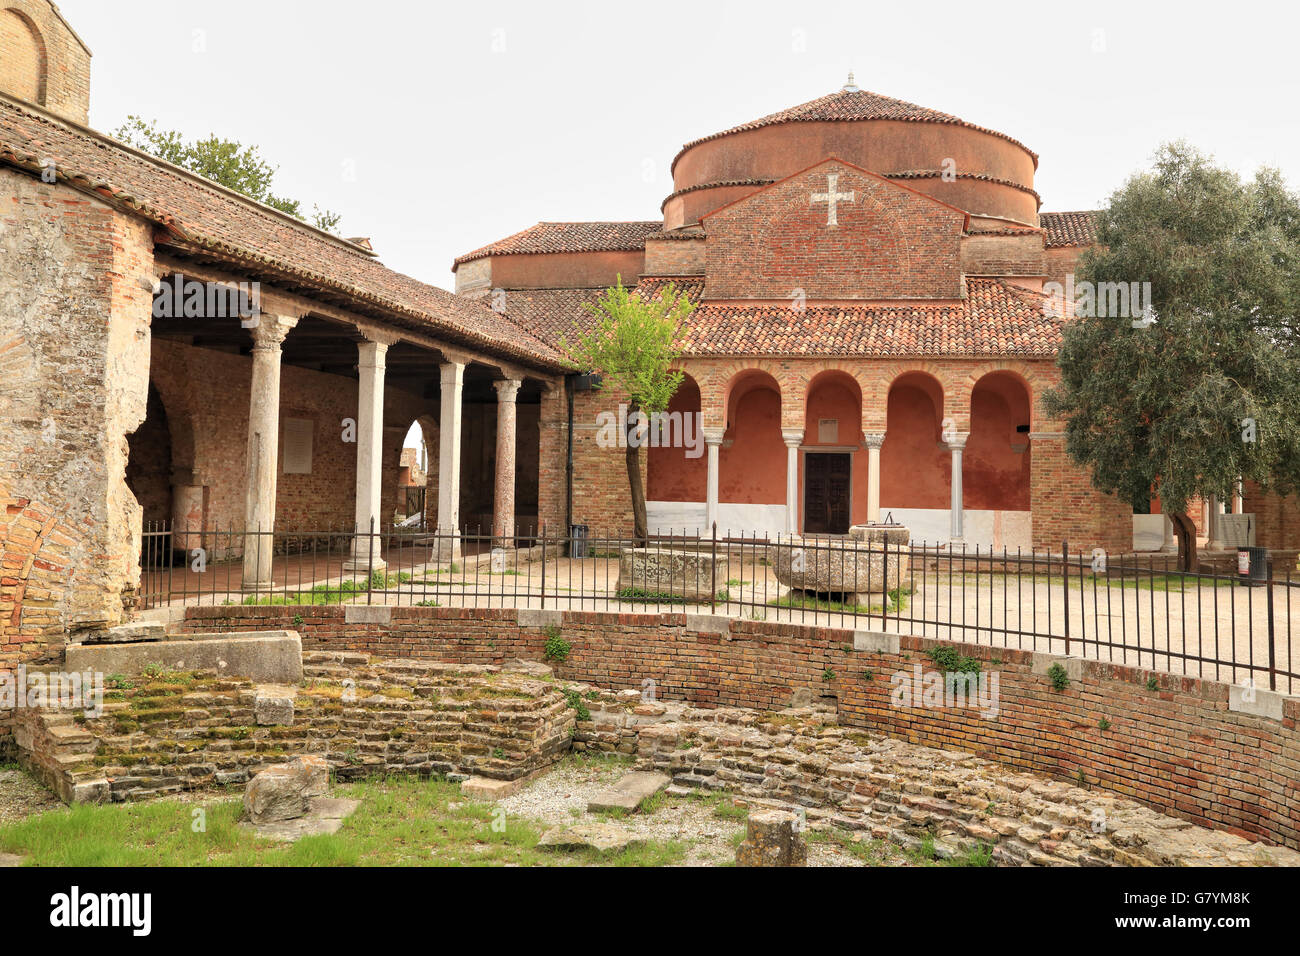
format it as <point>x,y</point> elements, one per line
<point>734,519</point>
<point>983,529</point>
<point>980,529</point>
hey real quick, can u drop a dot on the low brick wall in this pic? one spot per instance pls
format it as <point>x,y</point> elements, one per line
<point>1179,749</point>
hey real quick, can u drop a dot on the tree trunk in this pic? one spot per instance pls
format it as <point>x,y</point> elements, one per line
<point>1185,535</point>
<point>640,528</point>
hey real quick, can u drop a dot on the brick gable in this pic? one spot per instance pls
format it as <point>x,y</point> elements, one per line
<point>890,242</point>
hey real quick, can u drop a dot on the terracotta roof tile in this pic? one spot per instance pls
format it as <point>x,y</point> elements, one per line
<point>1069,228</point>
<point>201,215</point>
<point>850,105</point>
<point>994,319</point>
<point>568,237</point>
<point>550,313</point>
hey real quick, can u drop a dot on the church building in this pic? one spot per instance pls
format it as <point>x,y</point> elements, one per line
<point>871,342</point>
<point>871,338</point>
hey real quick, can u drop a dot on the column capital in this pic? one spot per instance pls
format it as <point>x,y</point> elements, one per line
<point>957,441</point>
<point>378,336</point>
<point>793,437</point>
<point>452,373</point>
<point>507,389</point>
<point>713,436</point>
<point>873,439</point>
<point>270,331</point>
<point>371,353</point>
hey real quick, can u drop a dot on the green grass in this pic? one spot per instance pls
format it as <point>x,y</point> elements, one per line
<point>663,597</point>
<point>807,602</point>
<point>333,593</point>
<point>810,602</point>
<point>401,822</point>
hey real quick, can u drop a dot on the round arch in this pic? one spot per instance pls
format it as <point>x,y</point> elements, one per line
<point>27,66</point>
<point>996,466</point>
<point>676,464</point>
<point>751,466</point>
<point>915,462</point>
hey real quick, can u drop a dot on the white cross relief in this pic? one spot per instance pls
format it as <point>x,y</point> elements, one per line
<point>833,198</point>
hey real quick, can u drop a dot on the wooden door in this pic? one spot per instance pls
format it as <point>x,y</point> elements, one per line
<point>826,493</point>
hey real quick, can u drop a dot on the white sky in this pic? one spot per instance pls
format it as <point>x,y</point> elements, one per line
<point>579,115</point>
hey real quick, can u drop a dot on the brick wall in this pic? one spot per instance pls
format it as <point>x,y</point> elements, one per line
<point>675,257</point>
<point>1178,749</point>
<point>205,394</point>
<point>72,274</point>
<point>1066,507</point>
<point>891,242</point>
<point>42,61</point>
<point>602,498</point>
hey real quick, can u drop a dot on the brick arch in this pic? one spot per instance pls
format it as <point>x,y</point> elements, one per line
<point>875,395</point>
<point>715,380</point>
<point>24,66</point>
<point>803,375</point>
<point>40,557</point>
<point>1035,383</point>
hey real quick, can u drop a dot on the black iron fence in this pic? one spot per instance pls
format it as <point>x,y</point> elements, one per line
<point>1130,609</point>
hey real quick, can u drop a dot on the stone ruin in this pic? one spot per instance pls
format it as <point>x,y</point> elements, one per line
<point>165,731</point>
<point>862,570</point>
<point>692,574</point>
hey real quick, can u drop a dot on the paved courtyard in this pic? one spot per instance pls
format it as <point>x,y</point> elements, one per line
<point>1198,626</point>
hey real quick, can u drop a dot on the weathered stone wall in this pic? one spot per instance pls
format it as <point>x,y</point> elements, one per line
<point>74,361</point>
<point>1180,748</point>
<point>898,791</point>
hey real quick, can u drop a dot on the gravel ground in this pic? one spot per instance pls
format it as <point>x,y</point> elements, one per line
<point>559,798</point>
<point>21,796</point>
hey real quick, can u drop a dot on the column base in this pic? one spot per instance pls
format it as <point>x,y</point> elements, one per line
<point>364,564</point>
<point>257,587</point>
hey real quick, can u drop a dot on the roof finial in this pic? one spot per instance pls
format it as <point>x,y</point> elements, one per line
<point>850,86</point>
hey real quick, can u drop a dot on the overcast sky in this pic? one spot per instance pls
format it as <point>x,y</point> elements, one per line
<point>435,128</point>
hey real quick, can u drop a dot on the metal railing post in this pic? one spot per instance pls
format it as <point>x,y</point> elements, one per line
<point>1272,657</point>
<point>1065,590</point>
<point>713,574</point>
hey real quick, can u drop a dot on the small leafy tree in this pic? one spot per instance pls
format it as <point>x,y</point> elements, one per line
<point>633,346</point>
<point>1209,390</point>
<point>223,161</point>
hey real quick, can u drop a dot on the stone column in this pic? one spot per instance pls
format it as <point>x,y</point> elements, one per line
<point>713,442</point>
<point>1214,528</point>
<point>874,441</point>
<point>370,457</point>
<point>449,424</point>
<point>263,457</point>
<point>1239,497</point>
<point>187,513</point>
<point>957,443</point>
<point>1167,543</point>
<point>793,438</point>
<point>503,507</point>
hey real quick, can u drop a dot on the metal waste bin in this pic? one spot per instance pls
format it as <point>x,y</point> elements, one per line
<point>1252,566</point>
<point>578,540</point>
